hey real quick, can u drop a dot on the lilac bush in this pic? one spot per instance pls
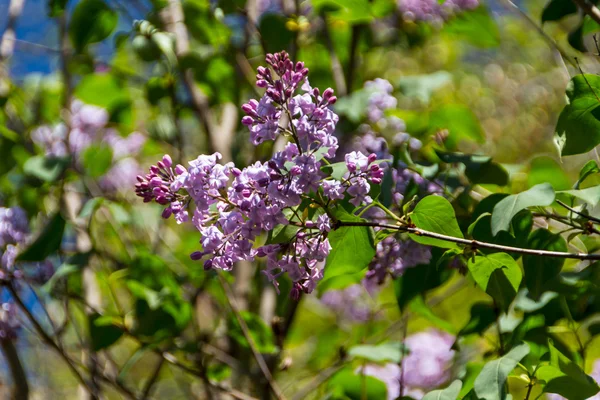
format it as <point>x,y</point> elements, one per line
<point>233,207</point>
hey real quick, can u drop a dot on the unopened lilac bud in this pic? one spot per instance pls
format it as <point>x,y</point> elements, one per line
<point>140,178</point>
<point>167,212</point>
<point>261,70</point>
<point>154,169</point>
<point>167,160</point>
<point>288,92</point>
<point>372,157</point>
<point>376,181</point>
<point>248,109</point>
<point>196,255</point>
<point>351,166</point>
<point>160,165</point>
<point>310,224</point>
<point>247,120</point>
<point>299,66</point>
<point>295,170</point>
<point>332,100</point>
<point>328,93</point>
<point>208,264</point>
<point>180,169</point>
<point>261,83</point>
<point>156,182</point>
<point>316,92</point>
<point>236,171</point>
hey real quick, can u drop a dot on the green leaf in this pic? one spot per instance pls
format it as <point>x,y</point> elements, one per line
<point>73,264</point>
<point>56,8</point>
<point>347,384</point>
<point>103,332</point>
<point>545,169</point>
<point>482,316</point>
<point>273,26</point>
<point>390,351</point>
<point>476,27</point>
<point>539,271</point>
<point>97,160</point>
<point>590,168</point>
<point>419,307</point>
<point>450,393</point>
<point>350,11</point>
<point>460,121</point>
<point>260,332</point>
<point>482,230</point>
<point>579,122</point>
<point>557,9</point>
<point>421,278</point>
<point>489,385</point>
<point>507,208</point>
<point>47,242</point>
<point>92,21</point>
<point>566,378</point>
<point>499,275</point>
<point>47,169</point>
<point>479,169</point>
<point>352,247</point>
<point>422,87</point>
<point>102,90</point>
<point>435,214</point>
<point>590,195</point>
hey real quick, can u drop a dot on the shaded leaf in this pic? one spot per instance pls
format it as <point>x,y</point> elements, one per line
<point>489,385</point>
<point>47,243</point>
<point>498,275</point>
<point>507,208</point>
<point>92,21</point>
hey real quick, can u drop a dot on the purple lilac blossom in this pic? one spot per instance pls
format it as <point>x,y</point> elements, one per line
<point>89,125</point>
<point>394,257</point>
<point>350,303</point>
<point>427,366</point>
<point>434,11</point>
<point>14,226</point>
<point>233,207</point>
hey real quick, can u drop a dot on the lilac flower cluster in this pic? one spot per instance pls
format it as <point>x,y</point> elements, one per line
<point>434,11</point>
<point>350,303</point>
<point>232,206</point>
<point>427,366</point>
<point>89,125</point>
<point>394,257</point>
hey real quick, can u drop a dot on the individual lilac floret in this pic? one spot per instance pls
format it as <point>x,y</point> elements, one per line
<point>394,257</point>
<point>8,321</point>
<point>14,226</point>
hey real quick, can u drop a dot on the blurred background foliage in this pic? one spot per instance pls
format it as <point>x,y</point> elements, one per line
<point>132,295</point>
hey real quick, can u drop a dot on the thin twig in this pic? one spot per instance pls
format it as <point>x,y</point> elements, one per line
<point>246,332</point>
<point>336,65</point>
<point>21,387</point>
<point>153,379</point>
<point>474,243</point>
<point>589,217</point>
<point>318,380</point>
<point>44,336</point>
<point>589,9</point>
<point>539,29</point>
